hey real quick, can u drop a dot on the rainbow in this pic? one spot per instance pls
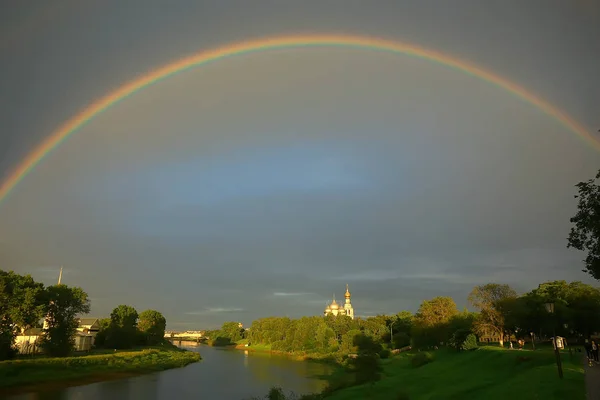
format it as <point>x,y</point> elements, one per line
<point>361,42</point>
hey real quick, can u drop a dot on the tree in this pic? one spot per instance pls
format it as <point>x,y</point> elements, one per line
<point>122,331</point>
<point>22,304</point>
<point>585,235</point>
<point>486,298</point>
<point>431,322</point>
<point>100,339</point>
<point>152,324</point>
<point>64,303</point>
<point>365,365</point>
<point>231,331</point>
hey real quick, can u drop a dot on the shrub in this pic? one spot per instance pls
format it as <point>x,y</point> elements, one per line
<point>402,396</point>
<point>463,340</point>
<point>400,340</point>
<point>221,341</point>
<point>385,353</point>
<point>421,359</point>
<point>470,343</point>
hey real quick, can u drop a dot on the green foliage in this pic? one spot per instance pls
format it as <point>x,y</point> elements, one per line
<point>470,343</point>
<point>576,304</point>
<point>385,353</point>
<point>488,299</point>
<point>64,304</point>
<point>401,340</point>
<point>232,331</point>
<point>585,234</point>
<point>22,304</point>
<point>421,359</point>
<point>38,370</point>
<point>152,324</point>
<point>431,324</point>
<point>221,341</point>
<point>365,365</point>
<point>122,332</point>
<point>100,340</point>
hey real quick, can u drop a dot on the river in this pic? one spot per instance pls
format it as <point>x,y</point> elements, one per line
<point>223,374</point>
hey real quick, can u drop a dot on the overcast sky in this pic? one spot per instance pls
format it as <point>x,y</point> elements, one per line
<point>261,184</point>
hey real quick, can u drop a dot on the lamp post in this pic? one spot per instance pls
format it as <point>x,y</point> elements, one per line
<point>532,340</point>
<point>550,310</point>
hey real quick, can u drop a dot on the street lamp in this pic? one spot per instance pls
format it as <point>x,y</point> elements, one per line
<point>532,340</point>
<point>550,310</point>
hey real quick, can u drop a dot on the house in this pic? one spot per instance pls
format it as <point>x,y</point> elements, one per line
<point>89,325</point>
<point>28,341</point>
<point>86,333</point>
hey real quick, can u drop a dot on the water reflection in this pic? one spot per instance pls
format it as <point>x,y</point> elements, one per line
<point>222,374</point>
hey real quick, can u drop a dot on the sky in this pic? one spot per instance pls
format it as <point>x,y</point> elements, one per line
<point>262,184</point>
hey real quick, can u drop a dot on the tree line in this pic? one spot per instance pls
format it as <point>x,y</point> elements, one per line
<point>26,304</point>
<point>500,314</point>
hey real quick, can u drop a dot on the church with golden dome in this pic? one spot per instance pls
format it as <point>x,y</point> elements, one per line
<point>335,309</point>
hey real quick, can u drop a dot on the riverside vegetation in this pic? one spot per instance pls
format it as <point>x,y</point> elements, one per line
<point>128,343</point>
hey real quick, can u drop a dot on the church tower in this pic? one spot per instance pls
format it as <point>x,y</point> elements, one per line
<point>348,305</point>
<point>338,309</point>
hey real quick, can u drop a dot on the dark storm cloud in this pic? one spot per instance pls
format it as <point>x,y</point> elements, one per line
<point>261,185</point>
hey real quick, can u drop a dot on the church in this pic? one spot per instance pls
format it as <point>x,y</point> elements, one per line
<point>335,309</point>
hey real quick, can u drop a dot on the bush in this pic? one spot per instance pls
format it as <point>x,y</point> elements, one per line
<point>470,343</point>
<point>463,340</point>
<point>385,353</point>
<point>221,341</point>
<point>401,340</point>
<point>421,359</point>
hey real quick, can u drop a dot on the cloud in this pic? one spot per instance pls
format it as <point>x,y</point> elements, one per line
<point>292,294</point>
<point>369,276</point>
<point>216,310</point>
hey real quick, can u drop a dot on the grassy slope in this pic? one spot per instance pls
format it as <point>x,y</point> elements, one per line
<point>488,373</point>
<point>83,369</point>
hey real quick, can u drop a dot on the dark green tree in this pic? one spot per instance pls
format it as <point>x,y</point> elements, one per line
<point>366,365</point>
<point>22,305</point>
<point>64,304</point>
<point>152,324</point>
<point>585,234</point>
<point>122,332</point>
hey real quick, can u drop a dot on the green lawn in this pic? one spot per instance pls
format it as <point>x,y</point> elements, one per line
<point>489,373</point>
<point>21,374</point>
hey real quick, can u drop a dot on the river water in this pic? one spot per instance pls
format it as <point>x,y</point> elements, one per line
<point>223,374</point>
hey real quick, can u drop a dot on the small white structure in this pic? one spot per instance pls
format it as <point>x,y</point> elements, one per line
<point>28,341</point>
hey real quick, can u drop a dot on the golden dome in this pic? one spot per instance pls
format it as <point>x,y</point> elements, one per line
<point>327,308</point>
<point>347,295</point>
<point>334,305</point>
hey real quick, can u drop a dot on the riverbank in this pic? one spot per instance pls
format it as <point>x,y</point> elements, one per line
<point>299,356</point>
<point>42,374</point>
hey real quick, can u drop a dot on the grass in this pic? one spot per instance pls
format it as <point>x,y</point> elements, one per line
<point>489,373</point>
<point>23,375</point>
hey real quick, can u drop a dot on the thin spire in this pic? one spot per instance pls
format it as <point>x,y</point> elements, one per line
<point>60,276</point>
